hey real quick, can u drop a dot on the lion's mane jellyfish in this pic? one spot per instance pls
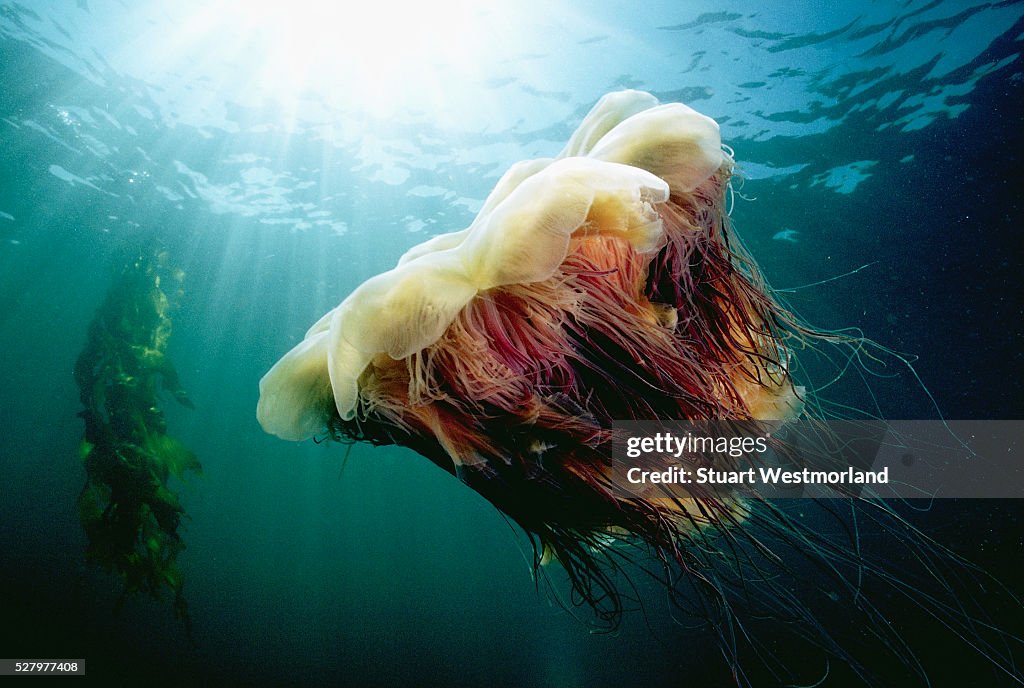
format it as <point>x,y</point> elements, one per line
<point>603,284</point>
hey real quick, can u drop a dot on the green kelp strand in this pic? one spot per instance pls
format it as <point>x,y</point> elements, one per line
<point>129,511</point>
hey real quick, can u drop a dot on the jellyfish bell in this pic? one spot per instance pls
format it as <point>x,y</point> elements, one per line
<point>601,285</point>
<point>605,191</point>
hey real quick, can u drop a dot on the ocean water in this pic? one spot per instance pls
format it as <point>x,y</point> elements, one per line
<point>283,156</point>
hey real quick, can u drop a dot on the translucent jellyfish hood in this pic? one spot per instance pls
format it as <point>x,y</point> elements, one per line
<point>619,168</point>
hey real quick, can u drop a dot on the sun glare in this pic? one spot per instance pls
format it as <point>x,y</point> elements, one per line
<point>383,53</point>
